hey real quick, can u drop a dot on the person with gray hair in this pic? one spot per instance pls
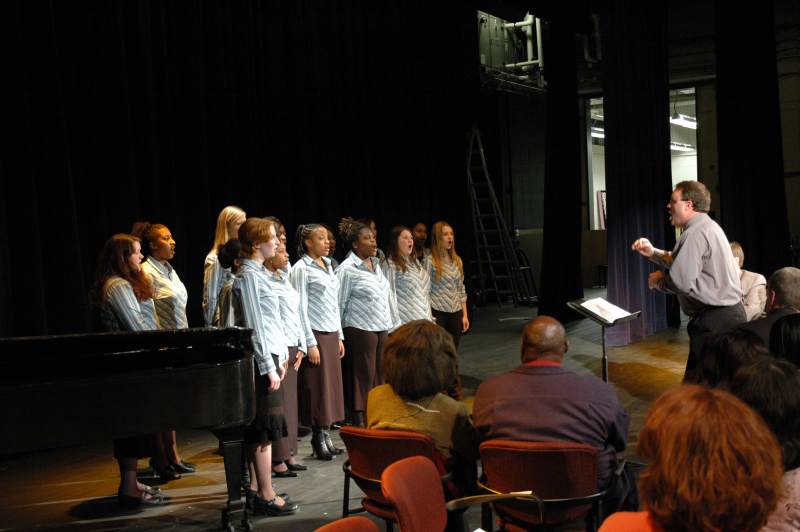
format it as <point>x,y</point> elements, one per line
<point>700,270</point>
<point>783,299</point>
<point>754,286</point>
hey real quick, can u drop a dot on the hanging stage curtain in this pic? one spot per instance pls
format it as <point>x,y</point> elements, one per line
<point>168,111</point>
<point>638,181</point>
<point>751,181</point>
<point>561,246</point>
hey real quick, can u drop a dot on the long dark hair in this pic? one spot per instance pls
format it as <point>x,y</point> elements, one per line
<point>393,251</point>
<point>113,262</point>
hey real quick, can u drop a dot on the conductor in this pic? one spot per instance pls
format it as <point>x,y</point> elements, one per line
<point>700,270</point>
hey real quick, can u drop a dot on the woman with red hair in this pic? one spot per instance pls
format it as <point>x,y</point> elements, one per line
<point>123,292</point>
<point>714,466</point>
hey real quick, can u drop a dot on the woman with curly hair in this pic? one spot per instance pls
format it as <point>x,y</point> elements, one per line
<point>366,318</point>
<point>123,292</point>
<point>714,466</point>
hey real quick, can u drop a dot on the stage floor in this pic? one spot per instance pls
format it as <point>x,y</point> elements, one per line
<point>74,489</point>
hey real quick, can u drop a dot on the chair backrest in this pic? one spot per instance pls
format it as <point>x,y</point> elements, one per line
<point>414,488</point>
<point>552,470</point>
<point>370,451</point>
<point>349,524</point>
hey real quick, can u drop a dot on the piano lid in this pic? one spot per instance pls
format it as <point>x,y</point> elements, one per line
<point>23,359</point>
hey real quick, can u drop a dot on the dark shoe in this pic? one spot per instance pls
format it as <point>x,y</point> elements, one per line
<point>337,425</point>
<point>319,446</point>
<point>131,501</point>
<point>262,507</point>
<point>283,474</point>
<point>296,467</point>
<point>250,495</point>
<point>183,467</point>
<point>329,443</point>
<point>165,474</point>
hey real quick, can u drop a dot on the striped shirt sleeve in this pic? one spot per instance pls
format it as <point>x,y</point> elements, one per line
<point>247,288</point>
<point>123,302</point>
<point>391,276</point>
<point>345,285</point>
<point>212,284</point>
<point>297,277</point>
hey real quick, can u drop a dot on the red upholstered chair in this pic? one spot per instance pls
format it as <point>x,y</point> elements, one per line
<point>369,452</point>
<point>414,489</point>
<point>350,524</point>
<point>563,476</point>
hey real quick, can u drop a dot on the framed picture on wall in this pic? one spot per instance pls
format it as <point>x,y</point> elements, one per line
<point>601,209</point>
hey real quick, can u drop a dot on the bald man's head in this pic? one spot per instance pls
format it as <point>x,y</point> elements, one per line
<point>543,338</point>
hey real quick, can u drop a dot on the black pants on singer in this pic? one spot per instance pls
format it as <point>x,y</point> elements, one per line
<point>704,325</point>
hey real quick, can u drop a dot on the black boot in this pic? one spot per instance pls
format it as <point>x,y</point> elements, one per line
<point>319,446</point>
<point>329,443</point>
<point>358,418</point>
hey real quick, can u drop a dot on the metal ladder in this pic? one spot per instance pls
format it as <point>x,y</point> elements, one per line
<point>498,263</point>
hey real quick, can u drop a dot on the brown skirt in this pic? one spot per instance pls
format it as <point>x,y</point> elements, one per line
<point>320,389</point>
<point>283,448</point>
<point>362,357</point>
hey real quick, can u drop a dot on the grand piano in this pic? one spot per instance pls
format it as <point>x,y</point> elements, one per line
<point>57,391</point>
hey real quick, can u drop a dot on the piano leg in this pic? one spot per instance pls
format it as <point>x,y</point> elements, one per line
<point>235,512</point>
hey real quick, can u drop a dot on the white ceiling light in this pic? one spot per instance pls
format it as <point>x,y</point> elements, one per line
<point>598,133</point>
<point>683,120</point>
<point>679,146</point>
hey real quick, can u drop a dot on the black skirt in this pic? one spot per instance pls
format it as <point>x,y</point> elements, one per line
<point>269,424</point>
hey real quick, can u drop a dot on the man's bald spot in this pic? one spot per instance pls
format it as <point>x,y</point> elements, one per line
<point>543,337</point>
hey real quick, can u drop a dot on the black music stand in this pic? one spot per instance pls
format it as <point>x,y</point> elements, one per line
<point>577,306</point>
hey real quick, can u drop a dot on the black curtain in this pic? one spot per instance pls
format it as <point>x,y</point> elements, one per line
<point>751,180</point>
<point>638,175</point>
<point>118,111</point>
<point>561,245</point>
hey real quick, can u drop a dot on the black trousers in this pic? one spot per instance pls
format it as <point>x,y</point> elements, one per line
<point>450,322</point>
<point>704,325</point>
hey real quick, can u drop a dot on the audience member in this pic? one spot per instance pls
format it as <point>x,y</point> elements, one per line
<point>727,352</point>
<point>771,387</point>
<point>419,363</point>
<point>754,286</point>
<point>784,339</point>
<point>543,401</point>
<point>783,298</point>
<point>714,466</point>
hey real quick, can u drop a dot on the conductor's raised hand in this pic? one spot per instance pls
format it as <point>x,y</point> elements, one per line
<point>644,247</point>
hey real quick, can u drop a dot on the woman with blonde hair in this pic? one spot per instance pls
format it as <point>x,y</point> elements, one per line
<point>446,270</point>
<point>714,465</point>
<point>214,275</point>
